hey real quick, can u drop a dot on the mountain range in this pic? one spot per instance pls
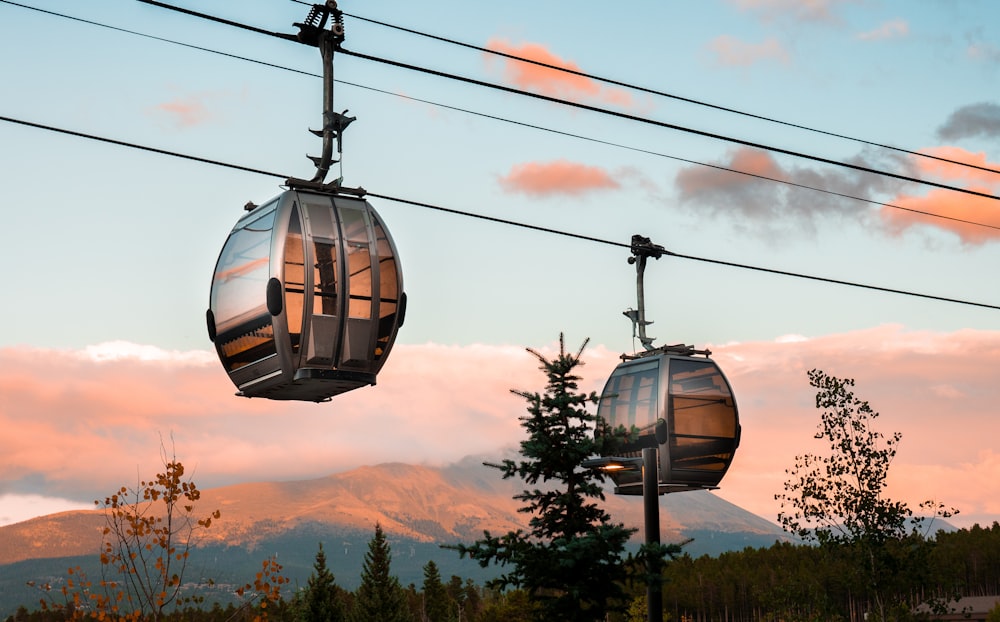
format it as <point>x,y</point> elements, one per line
<point>419,508</point>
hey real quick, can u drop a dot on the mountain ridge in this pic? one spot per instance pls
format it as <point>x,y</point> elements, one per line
<point>416,502</point>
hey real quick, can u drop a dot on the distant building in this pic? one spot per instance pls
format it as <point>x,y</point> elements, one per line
<point>970,609</point>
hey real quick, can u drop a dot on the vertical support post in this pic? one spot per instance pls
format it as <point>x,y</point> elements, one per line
<point>651,510</point>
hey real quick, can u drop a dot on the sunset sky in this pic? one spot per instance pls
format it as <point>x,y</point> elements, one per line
<point>108,251</point>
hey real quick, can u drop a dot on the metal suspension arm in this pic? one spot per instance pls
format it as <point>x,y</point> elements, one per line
<point>642,249</point>
<point>314,32</point>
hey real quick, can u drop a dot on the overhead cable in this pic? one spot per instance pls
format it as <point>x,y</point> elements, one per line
<point>588,107</point>
<point>156,38</point>
<point>719,167</point>
<point>664,124</point>
<point>123,143</point>
<point>512,222</point>
<point>659,154</point>
<point>514,122</point>
<point>650,91</point>
<point>719,262</point>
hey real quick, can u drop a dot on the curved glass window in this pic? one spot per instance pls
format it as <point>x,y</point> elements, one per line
<point>388,288</point>
<point>325,267</point>
<point>359,262</point>
<point>630,397</point>
<point>703,421</point>
<point>244,330</point>
<point>243,269</point>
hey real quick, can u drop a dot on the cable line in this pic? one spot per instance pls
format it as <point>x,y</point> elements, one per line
<point>502,221</point>
<point>156,38</point>
<point>588,107</point>
<point>510,222</point>
<point>582,106</point>
<point>663,124</point>
<point>513,122</point>
<point>678,158</point>
<point>673,157</point>
<point>123,143</point>
<point>664,94</point>
<point>692,257</point>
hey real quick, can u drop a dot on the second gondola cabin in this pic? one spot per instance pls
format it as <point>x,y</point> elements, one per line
<point>678,400</point>
<point>307,297</point>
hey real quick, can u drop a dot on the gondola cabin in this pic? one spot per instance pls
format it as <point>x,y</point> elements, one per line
<point>681,403</point>
<point>306,298</point>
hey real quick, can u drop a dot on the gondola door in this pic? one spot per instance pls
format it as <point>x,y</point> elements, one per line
<point>322,284</point>
<point>362,289</point>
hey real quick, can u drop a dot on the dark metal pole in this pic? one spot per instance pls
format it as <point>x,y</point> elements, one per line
<point>651,509</point>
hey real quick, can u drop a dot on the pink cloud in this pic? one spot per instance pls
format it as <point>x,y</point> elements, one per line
<point>778,208</point>
<point>954,172</point>
<point>889,30</point>
<point>558,177</point>
<point>185,113</point>
<point>78,424</point>
<point>964,207</point>
<point>106,416</point>
<point>698,179</point>
<point>730,51</point>
<point>552,82</point>
<point>193,109</point>
<point>971,209</point>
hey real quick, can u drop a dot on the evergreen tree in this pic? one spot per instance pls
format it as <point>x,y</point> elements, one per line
<point>458,594</point>
<point>571,559</point>
<point>380,596</point>
<point>321,600</point>
<point>437,603</point>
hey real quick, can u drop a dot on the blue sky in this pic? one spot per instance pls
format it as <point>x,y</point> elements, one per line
<point>110,250</point>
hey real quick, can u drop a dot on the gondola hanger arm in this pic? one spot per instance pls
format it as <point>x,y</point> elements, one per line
<point>642,249</point>
<point>313,31</point>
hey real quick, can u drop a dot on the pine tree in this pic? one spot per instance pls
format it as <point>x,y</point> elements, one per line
<point>571,559</point>
<point>380,596</point>
<point>321,602</point>
<point>437,603</point>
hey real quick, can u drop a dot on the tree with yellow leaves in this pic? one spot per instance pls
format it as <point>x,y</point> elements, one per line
<point>148,535</point>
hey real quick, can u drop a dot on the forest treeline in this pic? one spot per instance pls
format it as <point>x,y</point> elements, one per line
<point>782,582</point>
<point>803,582</point>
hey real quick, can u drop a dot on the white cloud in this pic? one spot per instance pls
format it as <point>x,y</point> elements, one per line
<point>124,350</point>
<point>17,508</point>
